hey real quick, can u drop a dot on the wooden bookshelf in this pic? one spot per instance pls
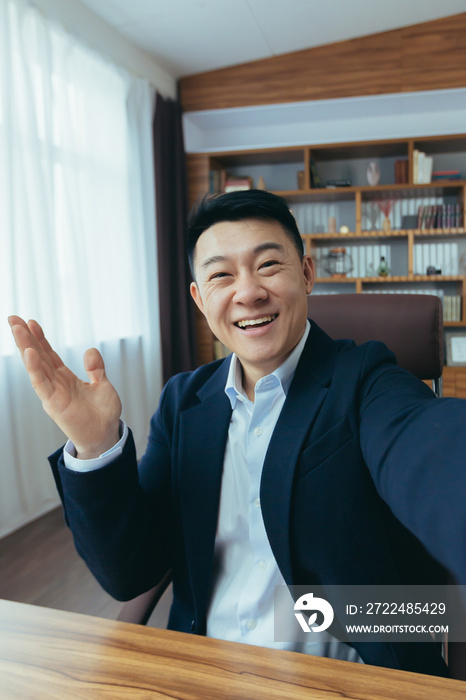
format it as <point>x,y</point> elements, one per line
<point>354,206</point>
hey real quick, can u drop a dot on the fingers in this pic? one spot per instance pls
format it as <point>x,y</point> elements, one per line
<point>20,331</point>
<point>22,336</point>
<point>50,353</point>
<point>94,365</point>
<point>16,321</point>
<point>31,335</point>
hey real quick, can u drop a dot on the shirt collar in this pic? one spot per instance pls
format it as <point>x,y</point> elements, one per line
<point>284,373</point>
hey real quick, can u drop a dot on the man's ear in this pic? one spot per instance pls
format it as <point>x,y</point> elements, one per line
<point>196,295</point>
<point>309,273</point>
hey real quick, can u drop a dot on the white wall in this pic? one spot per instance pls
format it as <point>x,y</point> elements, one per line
<point>79,21</point>
<point>327,121</point>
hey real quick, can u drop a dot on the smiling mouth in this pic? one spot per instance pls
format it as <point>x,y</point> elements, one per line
<point>256,322</point>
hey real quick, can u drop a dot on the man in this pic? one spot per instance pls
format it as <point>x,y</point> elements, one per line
<point>299,459</point>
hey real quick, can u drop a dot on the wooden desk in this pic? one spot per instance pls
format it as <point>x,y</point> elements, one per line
<point>52,655</point>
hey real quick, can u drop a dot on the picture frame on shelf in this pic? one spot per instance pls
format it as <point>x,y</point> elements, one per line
<point>456,350</point>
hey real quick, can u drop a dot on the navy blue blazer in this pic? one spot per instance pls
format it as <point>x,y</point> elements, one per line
<point>363,483</point>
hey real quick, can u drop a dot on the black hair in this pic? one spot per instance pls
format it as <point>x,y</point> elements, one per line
<point>236,206</point>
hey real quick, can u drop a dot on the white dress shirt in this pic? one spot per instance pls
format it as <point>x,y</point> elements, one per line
<point>245,571</point>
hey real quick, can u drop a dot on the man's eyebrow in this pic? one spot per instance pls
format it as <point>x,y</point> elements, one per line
<point>268,245</point>
<point>212,260</point>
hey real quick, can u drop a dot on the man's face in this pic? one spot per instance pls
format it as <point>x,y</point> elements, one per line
<point>251,286</point>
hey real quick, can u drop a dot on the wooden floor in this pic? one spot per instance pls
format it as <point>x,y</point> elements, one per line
<point>39,565</point>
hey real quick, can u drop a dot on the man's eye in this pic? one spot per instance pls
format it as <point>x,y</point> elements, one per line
<point>218,275</point>
<point>269,263</point>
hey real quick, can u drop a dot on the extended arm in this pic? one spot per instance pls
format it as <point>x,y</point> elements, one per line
<point>415,448</point>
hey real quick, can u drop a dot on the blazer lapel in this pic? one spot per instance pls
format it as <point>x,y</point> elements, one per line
<point>203,436</point>
<point>305,397</point>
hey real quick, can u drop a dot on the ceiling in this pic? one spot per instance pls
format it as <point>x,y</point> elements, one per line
<point>193,36</point>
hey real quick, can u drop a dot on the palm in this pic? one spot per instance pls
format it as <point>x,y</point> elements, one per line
<point>87,412</point>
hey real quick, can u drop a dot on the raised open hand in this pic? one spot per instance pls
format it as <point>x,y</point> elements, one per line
<point>87,412</point>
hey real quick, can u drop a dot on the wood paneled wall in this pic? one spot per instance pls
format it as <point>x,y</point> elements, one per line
<point>427,56</point>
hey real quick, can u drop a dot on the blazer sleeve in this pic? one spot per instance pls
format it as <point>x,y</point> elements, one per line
<point>414,445</point>
<point>120,515</point>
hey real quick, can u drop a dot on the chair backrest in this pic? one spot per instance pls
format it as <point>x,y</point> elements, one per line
<point>139,609</point>
<point>410,325</point>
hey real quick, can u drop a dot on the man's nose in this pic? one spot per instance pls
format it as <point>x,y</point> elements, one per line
<point>249,290</point>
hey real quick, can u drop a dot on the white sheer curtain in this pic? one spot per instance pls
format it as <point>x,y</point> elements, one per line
<point>77,237</point>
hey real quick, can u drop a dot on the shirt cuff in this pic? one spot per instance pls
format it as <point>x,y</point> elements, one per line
<point>89,465</point>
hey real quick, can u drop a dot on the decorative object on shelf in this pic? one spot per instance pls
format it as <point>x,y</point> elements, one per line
<point>373,173</point>
<point>338,263</point>
<point>383,270</point>
<point>300,179</point>
<point>385,206</point>
<point>344,229</point>
<point>456,349</point>
<point>260,183</point>
<point>409,222</point>
<point>332,224</point>
<point>371,212</point>
<point>432,270</point>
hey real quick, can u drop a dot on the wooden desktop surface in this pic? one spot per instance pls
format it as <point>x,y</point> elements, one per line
<point>55,655</point>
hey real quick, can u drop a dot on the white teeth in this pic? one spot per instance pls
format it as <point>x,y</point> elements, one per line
<point>256,321</point>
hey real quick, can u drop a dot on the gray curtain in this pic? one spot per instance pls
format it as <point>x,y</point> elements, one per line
<point>176,305</point>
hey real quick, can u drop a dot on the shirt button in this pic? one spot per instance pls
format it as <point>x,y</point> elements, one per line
<point>251,624</point>
<point>258,431</point>
<point>257,502</point>
<point>262,565</point>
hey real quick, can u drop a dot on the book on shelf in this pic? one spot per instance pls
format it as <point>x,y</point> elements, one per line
<point>452,307</point>
<point>314,175</point>
<point>422,167</point>
<point>439,216</point>
<point>221,181</point>
<point>235,184</point>
<point>439,175</point>
<point>217,180</point>
<point>401,171</point>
